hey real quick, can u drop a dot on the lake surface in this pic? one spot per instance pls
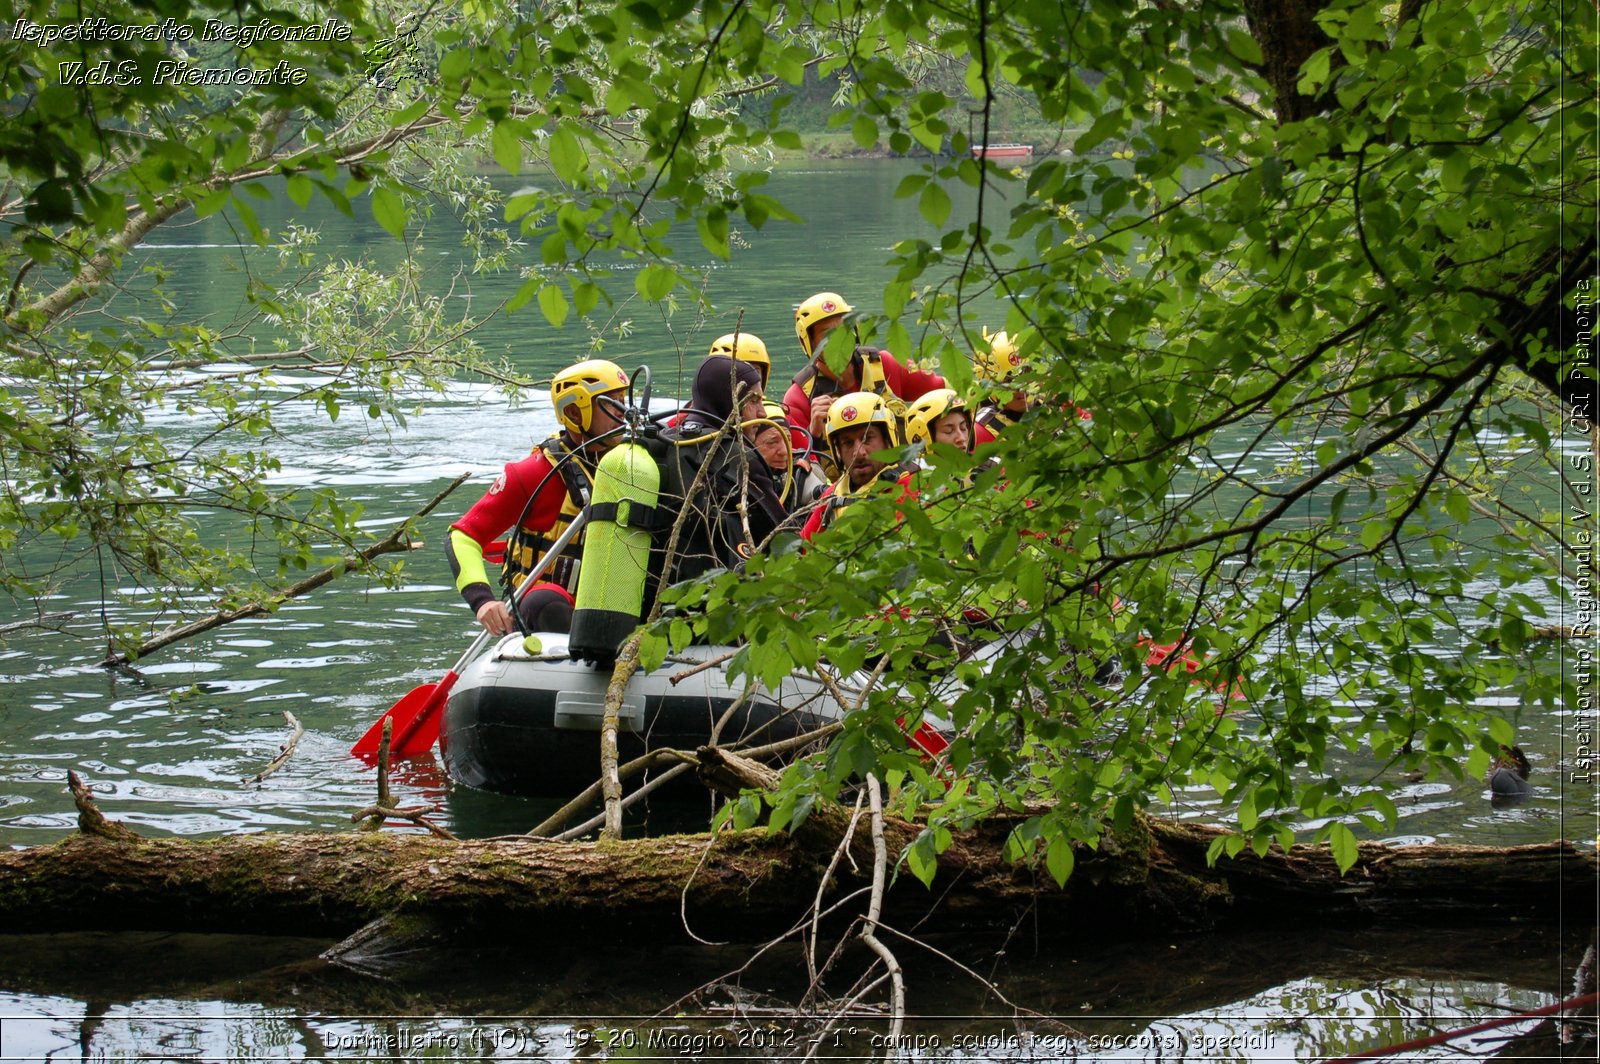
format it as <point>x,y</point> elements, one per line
<point>168,748</point>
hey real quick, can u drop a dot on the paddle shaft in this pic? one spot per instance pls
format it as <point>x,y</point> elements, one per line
<point>408,728</point>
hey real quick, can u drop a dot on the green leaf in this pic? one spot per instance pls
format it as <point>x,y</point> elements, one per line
<point>652,649</point>
<point>389,210</point>
<point>1314,72</point>
<point>524,294</point>
<point>1247,811</point>
<point>1342,841</point>
<point>655,282</point>
<point>1109,122</point>
<point>713,226</point>
<point>956,369</point>
<point>935,204</point>
<point>207,205</point>
<point>586,295</point>
<point>455,65</point>
<point>921,859</point>
<point>1244,46</point>
<point>1384,806</point>
<point>567,157</point>
<point>865,132</point>
<point>1214,850</point>
<point>506,142</point>
<point>746,811</point>
<point>554,305</point>
<point>910,185</point>
<point>1059,859</point>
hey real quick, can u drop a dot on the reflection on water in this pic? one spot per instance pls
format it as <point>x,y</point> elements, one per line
<point>215,998</point>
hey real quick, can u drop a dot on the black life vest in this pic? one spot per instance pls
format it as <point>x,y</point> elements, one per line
<point>713,535</point>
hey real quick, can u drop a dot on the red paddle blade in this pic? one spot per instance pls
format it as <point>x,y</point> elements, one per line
<point>929,741</point>
<point>416,722</point>
<point>926,738</point>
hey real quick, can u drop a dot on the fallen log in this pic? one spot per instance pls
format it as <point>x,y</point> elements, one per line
<point>745,885</point>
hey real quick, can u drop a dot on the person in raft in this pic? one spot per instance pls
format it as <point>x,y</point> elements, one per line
<point>734,507</point>
<point>940,416</point>
<point>997,366</point>
<point>859,428</point>
<point>1002,364</point>
<point>815,387</point>
<point>537,497</point>
<point>796,477</point>
<point>741,347</point>
<point>744,347</point>
<point>799,481</point>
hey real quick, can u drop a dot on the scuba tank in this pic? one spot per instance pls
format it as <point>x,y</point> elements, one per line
<point>616,553</point>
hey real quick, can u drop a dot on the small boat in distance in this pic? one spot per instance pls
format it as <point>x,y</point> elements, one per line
<point>1003,151</point>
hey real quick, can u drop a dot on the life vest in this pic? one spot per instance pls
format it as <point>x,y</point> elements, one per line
<point>994,418</point>
<point>526,546</point>
<point>868,363</point>
<point>888,477</point>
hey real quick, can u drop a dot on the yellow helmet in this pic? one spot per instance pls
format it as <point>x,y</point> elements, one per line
<point>856,409</point>
<point>743,347</point>
<point>1001,361</point>
<point>574,389</point>
<point>820,306</point>
<point>925,412</point>
<point>775,412</point>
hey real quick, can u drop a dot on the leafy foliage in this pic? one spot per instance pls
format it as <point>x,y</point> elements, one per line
<point>1350,224</point>
<point>1203,269</point>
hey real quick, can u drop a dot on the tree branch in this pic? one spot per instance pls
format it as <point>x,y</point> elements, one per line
<point>396,542</point>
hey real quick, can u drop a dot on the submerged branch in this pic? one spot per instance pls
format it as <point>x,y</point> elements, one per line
<point>50,621</point>
<point>284,752</point>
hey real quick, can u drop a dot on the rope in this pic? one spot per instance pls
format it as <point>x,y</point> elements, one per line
<point>1488,1025</point>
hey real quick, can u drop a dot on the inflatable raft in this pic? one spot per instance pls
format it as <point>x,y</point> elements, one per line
<point>526,723</point>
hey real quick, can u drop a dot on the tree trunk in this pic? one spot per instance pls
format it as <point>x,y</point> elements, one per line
<point>1288,34</point>
<point>745,885</point>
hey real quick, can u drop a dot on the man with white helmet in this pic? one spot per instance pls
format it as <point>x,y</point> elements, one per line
<point>869,369</point>
<point>537,497</point>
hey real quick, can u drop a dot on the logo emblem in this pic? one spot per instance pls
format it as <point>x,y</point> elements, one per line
<point>829,306</point>
<point>1015,359</point>
<point>847,414</point>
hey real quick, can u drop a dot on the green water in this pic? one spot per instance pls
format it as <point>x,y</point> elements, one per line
<point>167,749</point>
